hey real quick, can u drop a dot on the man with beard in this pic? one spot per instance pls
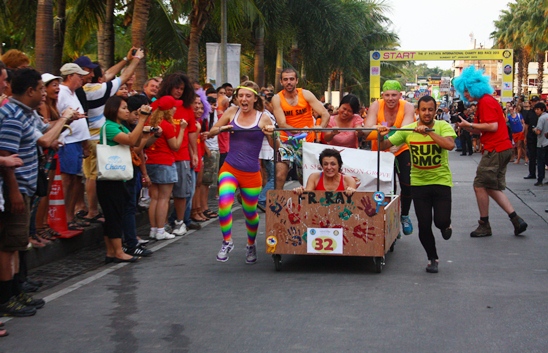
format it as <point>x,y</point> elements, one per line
<point>431,179</point>
<point>292,108</point>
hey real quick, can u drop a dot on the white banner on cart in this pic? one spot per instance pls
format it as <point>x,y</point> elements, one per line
<point>360,164</point>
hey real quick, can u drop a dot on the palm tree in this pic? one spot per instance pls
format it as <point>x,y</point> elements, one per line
<point>44,36</point>
<point>138,34</point>
<point>59,28</point>
<point>535,34</point>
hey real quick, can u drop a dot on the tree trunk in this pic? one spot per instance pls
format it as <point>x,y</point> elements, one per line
<point>258,74</point>
<point>59,35</point>
<point>108,36</point>
<point>341,85</point>
<point>138,34</point>
<point>540,74</point>
<point>100,41</point>
<point>526,61</point>
<point>520,73</point>
<point>44,36</point>
<point>199,17</point>
<point>279,67</point>
<point>294,53</point>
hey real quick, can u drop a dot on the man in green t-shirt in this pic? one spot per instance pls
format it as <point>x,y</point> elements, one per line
<point>431,181</point>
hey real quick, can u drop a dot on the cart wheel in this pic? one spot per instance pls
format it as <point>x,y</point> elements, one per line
<point>379,263</point>
<point>392,246</point>
<point>277,262</point>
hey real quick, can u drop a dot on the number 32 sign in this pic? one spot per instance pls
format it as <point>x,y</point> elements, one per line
<point>324,241</point>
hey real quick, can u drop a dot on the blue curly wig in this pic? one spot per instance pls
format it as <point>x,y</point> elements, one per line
<point>474,81</point>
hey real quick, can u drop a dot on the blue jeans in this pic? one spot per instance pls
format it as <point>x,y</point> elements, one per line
<point>130,209</point>
<point>269,167</point>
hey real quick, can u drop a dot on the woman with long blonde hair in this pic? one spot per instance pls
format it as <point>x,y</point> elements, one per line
<point>161,162</point>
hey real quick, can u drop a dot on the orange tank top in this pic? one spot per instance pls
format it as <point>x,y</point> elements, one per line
<point>299,115</point>
<point>397,123</point>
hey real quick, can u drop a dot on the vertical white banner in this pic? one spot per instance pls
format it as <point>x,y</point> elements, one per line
<point>213,53</point>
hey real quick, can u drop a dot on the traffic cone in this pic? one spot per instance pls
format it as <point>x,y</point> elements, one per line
<point>57,214</point>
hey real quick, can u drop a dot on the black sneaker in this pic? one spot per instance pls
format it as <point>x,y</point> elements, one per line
<point>27,300</point>
<point>14,308</point>
<point>138,251</point>
<point>193,225</point>
<point>446,234</point>
<point>261,207</point>
<point>28,288</point>
<point>34,283</point>
<point>530,177</point>
<point>432,266</point>
<point>519,225</point>
<point>538,183</point>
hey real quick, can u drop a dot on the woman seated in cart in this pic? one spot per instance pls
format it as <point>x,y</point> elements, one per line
<point>330,178</point>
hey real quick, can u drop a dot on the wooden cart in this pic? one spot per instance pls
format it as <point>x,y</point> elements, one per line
<point>331,224</point>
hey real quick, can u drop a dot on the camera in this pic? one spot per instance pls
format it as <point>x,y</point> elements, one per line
<point>134,51</point>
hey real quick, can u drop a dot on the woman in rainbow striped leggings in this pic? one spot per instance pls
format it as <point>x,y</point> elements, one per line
<point>241,166</point>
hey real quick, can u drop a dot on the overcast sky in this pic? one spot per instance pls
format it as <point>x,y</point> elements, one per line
<point>444,25</point>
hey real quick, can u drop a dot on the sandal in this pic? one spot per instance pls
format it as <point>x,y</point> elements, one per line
<point>44,233</point>
<point>37,242</point>
<point>210,214</point>
<point>196,217</point>
<point>81,223</point>
<point>93,219</point>
<point>81,213</point>
<point>74,226</point>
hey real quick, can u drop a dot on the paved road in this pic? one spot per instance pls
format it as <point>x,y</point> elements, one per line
<point>489,296</point>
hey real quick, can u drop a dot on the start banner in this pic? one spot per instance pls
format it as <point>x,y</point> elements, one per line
<point>360,164</point>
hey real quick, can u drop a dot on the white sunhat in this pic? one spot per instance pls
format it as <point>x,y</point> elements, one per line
<point>46,78</point>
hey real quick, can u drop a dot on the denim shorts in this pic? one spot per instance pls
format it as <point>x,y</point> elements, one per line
<point>162,174</point>
<point>71,156</point>
<point>183,187</point>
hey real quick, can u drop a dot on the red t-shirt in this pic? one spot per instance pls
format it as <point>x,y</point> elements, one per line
<point>159,152</point>
<point>183,153</point>
<point>223,139</point>
<point>490,111</point>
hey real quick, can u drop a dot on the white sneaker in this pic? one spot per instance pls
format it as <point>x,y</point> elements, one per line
<point>144,202</point>
<point>251,254</point>
<point>179,228</point>
<point>225,249</point>
<point>152,234</point>
<point>164,236</point>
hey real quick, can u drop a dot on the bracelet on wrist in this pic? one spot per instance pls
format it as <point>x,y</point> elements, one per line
<point>125,58</point>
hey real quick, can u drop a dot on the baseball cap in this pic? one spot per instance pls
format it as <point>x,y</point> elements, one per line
<point>166,103</point>
<point>71,68</point>
<point>84,61</point>
<point>46,78</point>
<point>535,98</point>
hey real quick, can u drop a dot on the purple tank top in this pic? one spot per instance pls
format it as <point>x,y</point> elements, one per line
<point>245,145</point>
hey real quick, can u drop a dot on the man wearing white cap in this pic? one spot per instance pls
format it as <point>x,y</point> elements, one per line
<point>72,152</point>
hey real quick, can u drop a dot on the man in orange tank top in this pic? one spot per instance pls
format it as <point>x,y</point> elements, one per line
<point>389,111</point>
<point>293,109</point>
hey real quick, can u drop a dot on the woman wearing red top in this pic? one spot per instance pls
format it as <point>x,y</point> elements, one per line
<point>330,178</point>
<point>160,163</point>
